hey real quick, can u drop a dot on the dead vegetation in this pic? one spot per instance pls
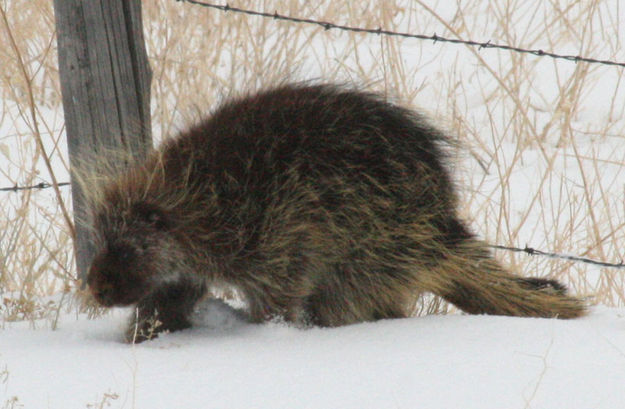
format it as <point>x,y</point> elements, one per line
<point>541,159</point>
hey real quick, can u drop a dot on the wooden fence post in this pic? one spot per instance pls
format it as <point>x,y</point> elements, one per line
<point>105,82</point>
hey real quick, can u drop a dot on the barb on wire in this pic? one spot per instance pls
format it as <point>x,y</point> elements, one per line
<point>529,250</point>
<point>533,252</point>
<point>42,185</point>
<point>379,31</point>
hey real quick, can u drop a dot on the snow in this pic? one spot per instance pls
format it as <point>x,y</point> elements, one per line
<point>223,362</point>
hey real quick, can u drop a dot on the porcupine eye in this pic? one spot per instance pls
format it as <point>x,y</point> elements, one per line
<point>155,219</point>
<point>125,253</point>
<point>151,215</point>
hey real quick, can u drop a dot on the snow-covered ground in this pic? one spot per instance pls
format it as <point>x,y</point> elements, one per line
<point>454,361</point>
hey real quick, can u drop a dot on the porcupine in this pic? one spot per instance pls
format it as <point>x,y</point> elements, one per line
<point>320,204</point>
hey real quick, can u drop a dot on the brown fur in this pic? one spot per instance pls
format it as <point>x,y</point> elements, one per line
<point>319,204</point>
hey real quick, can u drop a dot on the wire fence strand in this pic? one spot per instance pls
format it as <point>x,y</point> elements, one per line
<point>534,252</point>
<point>380,31</point>
<point>528,250</point>
<point>38,186</point>
<point>435,38</point>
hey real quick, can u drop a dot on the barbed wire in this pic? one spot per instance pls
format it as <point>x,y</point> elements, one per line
<point>42,185</point>
<point>528,250</point>
<point>379,31</point>
<point>435,38</point>
<point>534,252</point>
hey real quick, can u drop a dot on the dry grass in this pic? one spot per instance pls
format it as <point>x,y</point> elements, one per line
<point>540,162</point>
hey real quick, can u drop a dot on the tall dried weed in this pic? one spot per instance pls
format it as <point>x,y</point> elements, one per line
<point>539,163</point>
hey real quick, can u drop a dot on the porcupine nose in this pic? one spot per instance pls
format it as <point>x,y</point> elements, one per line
<point>101,290</point>
<point>104,294</point>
